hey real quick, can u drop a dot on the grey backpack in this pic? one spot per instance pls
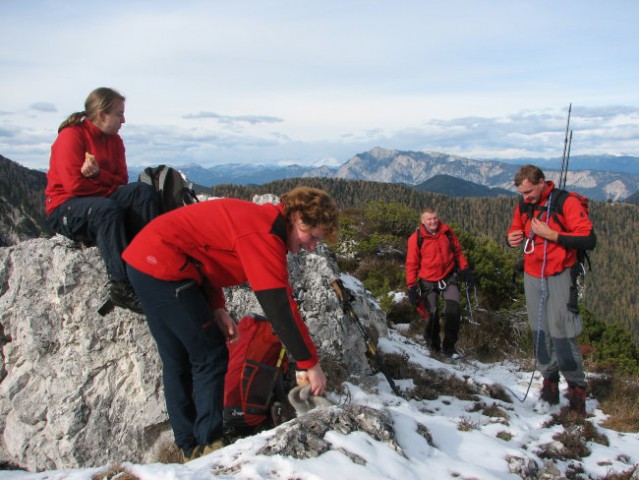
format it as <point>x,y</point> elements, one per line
<point>173,188</point>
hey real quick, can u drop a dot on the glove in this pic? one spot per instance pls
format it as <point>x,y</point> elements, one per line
<point>413,295</point>
<point>468,278</point>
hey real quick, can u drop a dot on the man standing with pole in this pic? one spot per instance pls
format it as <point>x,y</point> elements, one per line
<point>551,237</point>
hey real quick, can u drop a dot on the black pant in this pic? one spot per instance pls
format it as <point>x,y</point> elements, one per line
<point>110,222</point>
<point>449,289</point>
<point>194,356</point>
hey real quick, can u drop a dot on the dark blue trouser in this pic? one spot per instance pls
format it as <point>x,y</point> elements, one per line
<point>194,356</point>
<point>111,222</point>
<point>452,312</point>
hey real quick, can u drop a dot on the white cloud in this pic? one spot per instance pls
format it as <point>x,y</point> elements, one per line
<point>305,81</point>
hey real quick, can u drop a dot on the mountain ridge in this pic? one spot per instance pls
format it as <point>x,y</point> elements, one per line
<point>416,167</point>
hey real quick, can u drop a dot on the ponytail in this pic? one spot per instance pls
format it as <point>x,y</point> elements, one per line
<point>74,119</point>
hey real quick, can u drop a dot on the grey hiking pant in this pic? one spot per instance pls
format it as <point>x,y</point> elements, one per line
<point>555,329</point>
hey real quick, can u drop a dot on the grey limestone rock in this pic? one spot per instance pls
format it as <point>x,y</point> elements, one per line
<point>77,389</point>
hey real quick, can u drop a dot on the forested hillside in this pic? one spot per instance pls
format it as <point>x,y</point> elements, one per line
<point>611,292</point>
<point>21,203</point>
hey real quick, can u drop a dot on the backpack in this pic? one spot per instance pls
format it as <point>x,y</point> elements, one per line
<point>255,376</point>
<point>557,201</point>
<point>173,188</point>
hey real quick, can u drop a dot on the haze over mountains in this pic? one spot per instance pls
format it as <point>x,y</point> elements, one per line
<point>414,168</point>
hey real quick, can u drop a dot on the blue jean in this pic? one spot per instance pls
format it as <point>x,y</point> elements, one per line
<point>111,222</point>
<point>194,356</point>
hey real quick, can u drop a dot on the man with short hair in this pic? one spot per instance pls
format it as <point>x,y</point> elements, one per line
<point>433,260</point>
<point>551,240</point>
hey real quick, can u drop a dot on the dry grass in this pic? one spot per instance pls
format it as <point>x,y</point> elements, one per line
<point>466,424</point>
<point>169,452</point>
<point>429,384</point>
<point>115,472</point>
<point>618,397</point>
<point>336,372</point>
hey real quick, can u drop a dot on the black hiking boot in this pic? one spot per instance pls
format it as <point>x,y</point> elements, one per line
<point>120,294</point>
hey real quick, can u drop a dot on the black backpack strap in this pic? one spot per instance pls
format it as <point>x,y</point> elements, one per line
<point>557,201</point>
<point>451,242</point>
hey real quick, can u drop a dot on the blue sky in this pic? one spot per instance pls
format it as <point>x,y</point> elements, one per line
<point>259,81</point>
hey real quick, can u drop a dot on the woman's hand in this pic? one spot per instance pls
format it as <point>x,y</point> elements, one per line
<point>90,167</point>
<point>318,380</point>
<point>226,324</point>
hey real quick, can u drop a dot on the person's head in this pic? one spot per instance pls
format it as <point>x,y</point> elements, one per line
<point>104,107</point>
<point>311,216</point>
<point>530,182</point>
<point>429,219</point>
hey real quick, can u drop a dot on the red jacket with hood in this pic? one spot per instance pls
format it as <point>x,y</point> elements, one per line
<point>64,179</point>
<point>223,243</point>
<point>562,254</point>
<point>437,256</point>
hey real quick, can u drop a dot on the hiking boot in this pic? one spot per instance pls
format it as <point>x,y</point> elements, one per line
<point>550,391</point>
<point>122,295</point>
<point>201,450</point>
<point>213,446</point>
<point>577,399</point>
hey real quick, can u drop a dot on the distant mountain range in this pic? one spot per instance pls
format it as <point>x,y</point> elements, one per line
<point>456,187</point>
<point>433,171</point>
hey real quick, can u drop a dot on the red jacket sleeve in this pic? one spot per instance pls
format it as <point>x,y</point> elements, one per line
<point>517,223</point>
<point>462,263</point>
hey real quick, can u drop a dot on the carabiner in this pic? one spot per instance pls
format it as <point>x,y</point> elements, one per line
<point>529,246</point>
<point>441,284</point>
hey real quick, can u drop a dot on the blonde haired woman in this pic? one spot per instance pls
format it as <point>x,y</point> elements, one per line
<point>88,197</point>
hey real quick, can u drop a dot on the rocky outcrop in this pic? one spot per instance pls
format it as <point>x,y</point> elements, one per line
<point>77,389</point>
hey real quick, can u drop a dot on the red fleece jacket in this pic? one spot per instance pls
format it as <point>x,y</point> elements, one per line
<point>64,179</point>
<point>558,256</point>
<point>436,258</point>
<point>223,243</point>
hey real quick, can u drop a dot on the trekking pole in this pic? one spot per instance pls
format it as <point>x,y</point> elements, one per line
<point>564,160</point>
<point>371,352</point>
<point>469,306</point>
<point>567,160</point>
